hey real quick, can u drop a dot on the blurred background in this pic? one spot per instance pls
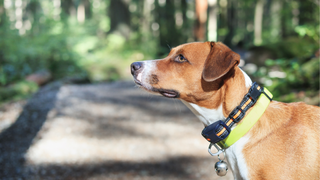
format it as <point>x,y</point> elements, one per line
<point>69,108</point>
<point>96,40</point>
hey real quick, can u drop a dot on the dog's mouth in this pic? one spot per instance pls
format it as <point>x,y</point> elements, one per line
<point>137,81</point>
<point>167,93</point>
<point>164,92</point>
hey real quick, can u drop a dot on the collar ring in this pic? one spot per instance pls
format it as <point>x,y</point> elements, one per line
<point>217,147</point>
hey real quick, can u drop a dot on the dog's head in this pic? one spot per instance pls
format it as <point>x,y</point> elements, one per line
<point>191,72</point>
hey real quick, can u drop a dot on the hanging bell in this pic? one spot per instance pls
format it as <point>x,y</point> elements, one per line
<point>221,168</point>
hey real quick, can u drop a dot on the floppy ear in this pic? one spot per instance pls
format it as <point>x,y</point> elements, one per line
<point>220,60</point>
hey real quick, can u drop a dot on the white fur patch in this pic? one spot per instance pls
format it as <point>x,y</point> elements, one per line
<point>236,159</point>
<point>206,116</point>
<point>145,74</point>
<point>139,77</point>
<point>247,79</point>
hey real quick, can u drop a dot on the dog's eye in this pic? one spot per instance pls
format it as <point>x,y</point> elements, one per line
<point>180,58</point>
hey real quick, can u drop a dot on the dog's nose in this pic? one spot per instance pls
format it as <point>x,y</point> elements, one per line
<point>136,66</point>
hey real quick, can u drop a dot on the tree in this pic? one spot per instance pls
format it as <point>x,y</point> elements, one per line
<point>231,22</point>
<point>213,20</point>
<point>2,13</point>
<point>201,21</point>
<point>258,16</point>
<point>67,7</point>
<point>276,6</point>
<point>165,16</point>
<point>119,17</point>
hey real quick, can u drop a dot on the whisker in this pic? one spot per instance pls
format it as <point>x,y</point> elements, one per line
<point>169,47</point>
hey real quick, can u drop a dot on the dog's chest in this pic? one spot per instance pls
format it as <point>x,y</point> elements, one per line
<point>236,160</point>
<point>234,153</point>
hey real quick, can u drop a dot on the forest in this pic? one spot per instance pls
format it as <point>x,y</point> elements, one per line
<point>69,108</point>
<point>90,41</point>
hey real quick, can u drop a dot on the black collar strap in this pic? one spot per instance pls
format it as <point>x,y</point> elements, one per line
<point>220,130</point>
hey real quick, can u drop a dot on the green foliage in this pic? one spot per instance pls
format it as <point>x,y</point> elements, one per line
<point>107,57</point>
<point>310,31</point>
<point>23,55</point>
<point>300,77</point>
<point>116,33</point>
<point>19,90</point>
<point>297,70</point>
<point>294,47</point>
<point>111,57</point>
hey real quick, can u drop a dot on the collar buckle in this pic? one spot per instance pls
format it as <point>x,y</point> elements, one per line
<point>210,132</point>
<point>255,91</point>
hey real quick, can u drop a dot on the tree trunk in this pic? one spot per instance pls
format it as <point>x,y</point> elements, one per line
<point>2,13</point>
<point>168,31</point>
<point>276,7</point>
<point>213,20</point>
<point>184,7</point>
<point>308,11</point>
<point>66,6</point>
<point>186,31</point>
<point>201,15</point>
<point>57,7</point>
<point>19,7</point>
<point>81,13</point>
<point>119,16</point>
<point>146,16</point>
<point>231,19</point>
<point>258,16</point>
<point>88,9</point>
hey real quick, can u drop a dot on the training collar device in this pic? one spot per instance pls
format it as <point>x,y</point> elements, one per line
<point>220,130</point>
<point>219,133</point>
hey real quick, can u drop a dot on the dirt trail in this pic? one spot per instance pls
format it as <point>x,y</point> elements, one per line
<point>103,131</point>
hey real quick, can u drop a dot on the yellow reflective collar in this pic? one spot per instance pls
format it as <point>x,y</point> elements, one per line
<point>248,121</point>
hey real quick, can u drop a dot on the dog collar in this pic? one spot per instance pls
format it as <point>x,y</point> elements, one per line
<point>220,132</point>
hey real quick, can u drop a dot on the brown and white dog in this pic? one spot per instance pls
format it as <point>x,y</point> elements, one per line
<point>283,144</point>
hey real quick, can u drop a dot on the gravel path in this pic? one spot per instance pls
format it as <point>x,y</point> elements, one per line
<point>102,131</point>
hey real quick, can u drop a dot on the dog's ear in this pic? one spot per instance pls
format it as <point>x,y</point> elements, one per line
<point>220,60</point>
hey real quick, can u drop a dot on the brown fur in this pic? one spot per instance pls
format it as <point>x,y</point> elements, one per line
<point>285,141</point>
<point>219,62</point>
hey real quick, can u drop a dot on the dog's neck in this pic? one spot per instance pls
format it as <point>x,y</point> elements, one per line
<point>228,96</point>
<point>231,94</point>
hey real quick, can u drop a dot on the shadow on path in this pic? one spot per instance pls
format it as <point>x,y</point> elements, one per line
<point>16,140</point>
<point>78,102</point>
<point>171,168</point>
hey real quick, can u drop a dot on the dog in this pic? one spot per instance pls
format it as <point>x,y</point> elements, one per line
<point>284,141</point>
